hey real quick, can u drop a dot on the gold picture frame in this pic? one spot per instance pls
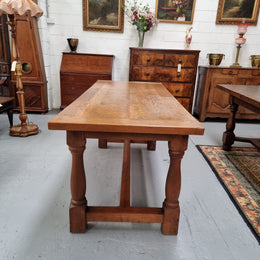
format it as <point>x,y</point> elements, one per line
<point>237,11</point>
<point>103,15</point>
<point>170,11</point>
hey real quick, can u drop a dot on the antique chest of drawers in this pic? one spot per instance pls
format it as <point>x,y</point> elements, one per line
<point>211,102</point>
<point>176,69</point>
<point>79,71</point>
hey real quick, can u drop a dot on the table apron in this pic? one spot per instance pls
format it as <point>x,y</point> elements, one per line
<point>131,136</point>
<point>247,105</point>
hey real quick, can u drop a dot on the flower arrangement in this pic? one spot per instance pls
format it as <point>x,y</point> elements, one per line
<point>140,15</point>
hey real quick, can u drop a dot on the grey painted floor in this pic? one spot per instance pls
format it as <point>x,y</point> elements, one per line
<point>34,199</point>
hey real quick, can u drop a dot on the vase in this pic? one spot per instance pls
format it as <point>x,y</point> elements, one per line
<point>73,44</point>
<point>141,38</point>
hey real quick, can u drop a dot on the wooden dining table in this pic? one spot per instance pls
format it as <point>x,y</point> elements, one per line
<point>127,111</point>
<point>247,96</point>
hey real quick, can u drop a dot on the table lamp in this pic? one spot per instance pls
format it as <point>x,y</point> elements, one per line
<point>241,30</point>
<point>22,8</point>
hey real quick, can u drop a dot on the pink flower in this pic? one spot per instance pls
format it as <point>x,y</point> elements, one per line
<point>149,16</point>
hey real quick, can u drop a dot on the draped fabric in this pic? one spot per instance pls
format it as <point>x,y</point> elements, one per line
<point>21,7</point>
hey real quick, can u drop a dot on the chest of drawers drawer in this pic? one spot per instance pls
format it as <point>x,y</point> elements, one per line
<point>162,74</point>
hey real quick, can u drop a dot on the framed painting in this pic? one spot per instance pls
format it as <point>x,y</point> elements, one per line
<point>103,15</point>
<point>237,11</point>
<point>171,11</point>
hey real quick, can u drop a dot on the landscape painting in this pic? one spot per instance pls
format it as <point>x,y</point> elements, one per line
<point>235,11</point>
<point>103,15</point>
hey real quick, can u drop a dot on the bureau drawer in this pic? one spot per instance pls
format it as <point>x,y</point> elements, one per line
<point>148,59</point>
<point>188,61</point>
<point>67,99</point>
<point>179,90</point>
<point>82,79</point>
<point>74,89</point>
<point>162,74</point>
<point>79,83</point>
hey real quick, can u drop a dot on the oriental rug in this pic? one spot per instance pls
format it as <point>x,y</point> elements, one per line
<point>238,171</point>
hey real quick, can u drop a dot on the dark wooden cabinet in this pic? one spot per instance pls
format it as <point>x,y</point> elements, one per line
<point>5,58</point>
<point>176,69</point>
<point>211,102</point>
<point>33,77</point>
<point>79,71</point>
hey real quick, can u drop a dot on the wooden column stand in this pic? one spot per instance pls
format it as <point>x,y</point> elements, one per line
<point>24,129</point>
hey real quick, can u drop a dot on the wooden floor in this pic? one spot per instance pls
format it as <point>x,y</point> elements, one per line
<point>34,199</point>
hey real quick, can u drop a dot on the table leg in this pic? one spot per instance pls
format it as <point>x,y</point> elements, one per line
<point>173,186</point>
<point>76,142</point>
<point>229,136</point>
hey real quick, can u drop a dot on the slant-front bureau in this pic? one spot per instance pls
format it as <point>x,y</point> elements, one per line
<point>176,69</point>
<point>79,71</point>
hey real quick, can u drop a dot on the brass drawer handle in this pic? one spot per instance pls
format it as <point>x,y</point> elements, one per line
<point>147,74</point>
<point>148,59</point>
<point>177,90</point>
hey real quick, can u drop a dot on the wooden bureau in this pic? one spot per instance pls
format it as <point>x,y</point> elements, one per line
<point>211,102</point>
<point>176,69</point>
<point>79,71</point>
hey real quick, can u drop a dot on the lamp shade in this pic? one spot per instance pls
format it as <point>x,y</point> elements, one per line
<point>20,7</point>
<point>242,28</point>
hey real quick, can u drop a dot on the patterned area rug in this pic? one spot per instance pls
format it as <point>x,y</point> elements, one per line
<point>239,173</point>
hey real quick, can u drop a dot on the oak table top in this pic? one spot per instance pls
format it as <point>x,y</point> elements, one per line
<point>247,93</point>
<point>136,107</point>
<point>130,111</point>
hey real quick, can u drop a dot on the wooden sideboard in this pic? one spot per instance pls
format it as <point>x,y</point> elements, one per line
<point>211,102</point>
<point>176,69</point>
<point>79,71</point>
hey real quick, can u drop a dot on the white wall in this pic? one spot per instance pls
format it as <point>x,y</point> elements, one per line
<point>65,21</point>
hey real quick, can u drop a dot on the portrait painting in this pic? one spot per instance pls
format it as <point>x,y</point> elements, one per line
<point>103,15</point>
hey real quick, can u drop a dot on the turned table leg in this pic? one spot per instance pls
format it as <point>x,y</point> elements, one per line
<point>173,186</point>
<point>76,142</point>
<point>229,136</point>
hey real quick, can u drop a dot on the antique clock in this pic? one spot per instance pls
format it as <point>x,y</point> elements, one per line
<point>33,77</point>
<point>5,58</point>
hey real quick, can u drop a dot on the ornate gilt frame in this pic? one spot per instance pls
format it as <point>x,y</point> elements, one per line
<point>98,23</point>
<point>232,19</point>
<point>170,12</point>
